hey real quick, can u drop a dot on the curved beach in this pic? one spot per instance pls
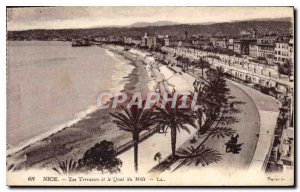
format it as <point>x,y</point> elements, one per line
<point>90,128</point>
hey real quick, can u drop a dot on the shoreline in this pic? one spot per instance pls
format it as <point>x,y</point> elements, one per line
<point>76,138</point>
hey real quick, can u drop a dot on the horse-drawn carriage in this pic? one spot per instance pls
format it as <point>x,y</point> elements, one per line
<point>232,145</point>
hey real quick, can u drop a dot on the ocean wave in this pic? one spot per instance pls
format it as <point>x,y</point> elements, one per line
<point>123,69</point>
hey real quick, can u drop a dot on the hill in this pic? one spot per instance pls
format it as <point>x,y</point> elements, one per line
<point>230,29</point>
<point>148,24</point>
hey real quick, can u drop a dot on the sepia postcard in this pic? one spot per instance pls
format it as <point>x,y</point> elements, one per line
<point>150,96</point>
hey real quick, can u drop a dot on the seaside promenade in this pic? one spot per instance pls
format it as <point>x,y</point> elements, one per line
<point>159,142</point>
<point>255,126</point>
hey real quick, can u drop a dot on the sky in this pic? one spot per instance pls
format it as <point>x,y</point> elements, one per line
<point>86,17</point>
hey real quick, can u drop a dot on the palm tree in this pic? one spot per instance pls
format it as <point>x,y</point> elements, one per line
<point>175,118</point>
<point>212,96</point>
<point>134,120</point>
<point>185,64</point>
<point>201,63</point>
<point>178,59</point>
<point>66,167</point>
<point>217,89</point>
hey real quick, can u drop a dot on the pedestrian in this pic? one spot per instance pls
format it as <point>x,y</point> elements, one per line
<point>232,139</point>
<point>236,138</point>
<point>158,157</point>
<point>231,105</point>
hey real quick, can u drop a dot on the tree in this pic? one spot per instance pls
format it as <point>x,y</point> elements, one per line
<point>219,116</point>
<point>66,167</point>
<point>202,155</point>
<point>185,64</point>
<point>285,68</point>
<point>178,59</point>
<point>101,157</point>
<point>201,63</point>
<point>213,96</point>
<point>134,120</point>
<point>216,89</point>
<point>175,118</point>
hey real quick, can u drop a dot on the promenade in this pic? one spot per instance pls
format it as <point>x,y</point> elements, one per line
<point>159,142</point>
<point>256,124</point>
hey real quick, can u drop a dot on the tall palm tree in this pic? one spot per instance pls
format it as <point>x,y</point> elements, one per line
<point>134,120</point>
<point>217,89</point>
<point>201,63</point>
<point>175,118</point>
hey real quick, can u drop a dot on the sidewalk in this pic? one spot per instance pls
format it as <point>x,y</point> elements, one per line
<point>159,142</point>
<point>258,119</point>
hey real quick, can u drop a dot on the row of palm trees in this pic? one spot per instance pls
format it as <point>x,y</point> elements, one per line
<point>135,120</point>
<point>185,63</point>
<point>213,97</point>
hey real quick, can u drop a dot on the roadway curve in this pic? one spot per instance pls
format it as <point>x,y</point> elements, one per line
<point>256,125</point>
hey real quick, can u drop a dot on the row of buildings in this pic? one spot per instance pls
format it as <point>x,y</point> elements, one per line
<point>268,49</point>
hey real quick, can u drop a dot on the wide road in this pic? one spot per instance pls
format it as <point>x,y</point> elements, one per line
<point>252,103</point>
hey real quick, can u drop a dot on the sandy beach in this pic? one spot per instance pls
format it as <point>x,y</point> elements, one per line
<point>71,142</point>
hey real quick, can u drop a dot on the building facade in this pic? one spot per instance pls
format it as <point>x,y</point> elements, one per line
<point>127,40</point>
<point>219,42</point>
<point>253,50</point>
<point>148,41</point>
<point>242,46</point>
<point>231,42</point>
<point>266,48</point>
<point>284,50</point>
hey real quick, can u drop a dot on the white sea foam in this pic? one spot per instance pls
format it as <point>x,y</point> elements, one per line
<point>123,69</point>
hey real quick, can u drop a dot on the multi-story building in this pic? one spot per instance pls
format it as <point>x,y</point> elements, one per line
<point>253,50</point>
<point>266,48</point>
<point>242,46</point>
<point>219,42</point>
<point>127,40</point>
<point>200,42</point>
<point>144,40</point>
<point>100,39</point>
<point>284,50</point>
<point>149,41</point>
<point>160,40</point>
<point>291,46</point>
<point>171,41</point>
<point>231,42</point>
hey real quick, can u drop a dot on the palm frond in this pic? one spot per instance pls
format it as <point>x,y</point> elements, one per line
<point>221,132</point>
<point>66,167</point>
<point>198,156</point>
<point>56,170</point>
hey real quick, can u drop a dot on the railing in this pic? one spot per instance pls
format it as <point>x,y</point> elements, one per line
<point>129,144</point>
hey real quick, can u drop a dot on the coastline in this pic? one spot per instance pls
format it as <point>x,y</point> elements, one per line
<point>68,142</point>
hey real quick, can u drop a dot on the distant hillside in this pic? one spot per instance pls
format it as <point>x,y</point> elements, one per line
<point>158,23</point>
<point>230,29</point>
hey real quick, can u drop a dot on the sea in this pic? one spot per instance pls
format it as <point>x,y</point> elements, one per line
<point>52,85</point>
